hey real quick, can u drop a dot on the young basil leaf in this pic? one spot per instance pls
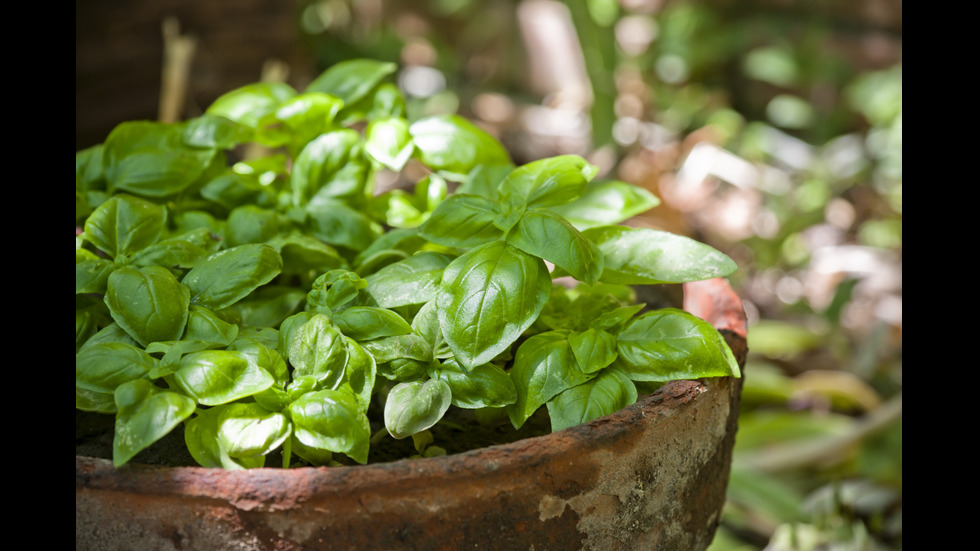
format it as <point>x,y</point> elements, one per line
<point>251,224</point>
<point>88,169</point>
<point>399,347</point>
<point>363,323</point>
<point>179,252</point>
<point>414,280</point>
<point>453,146</point>
<point>613,320</point>
<point>486,385</point>
<point>334,291</point>
<point>642,256</point>
<point>426,324</point>
<point>337,224</point>
<point>124,225</point>
<point>317,349</point>
<point>331,166</point>
<point>210,131</point>
<point>145,414</point>
<point>149,303</point>
<point>262,355</point>
<point>544,366</point>
<point>267,306</point>
<point>92,276</point>
<point>331,420</point>
<point>593,349</point>
<point>307,115</point>
<point>546,182</point>
<point>302,254</point>
<point>95,402</point>
<point>605,203</point>
<point>552,238</point>
<point>102,367</point>
<point>201,438</point>
<point>230,275</point>
<point>484,181</point>
<point>246,429</point>
<point>462,221</point>
<point>416,406</point>
<point>214,377</point>
<point>353,79</point>
<point>387,101</point>
<point>361,374</point>
<point>488,297</point>
<point>609,392</point>
<point>204,325</point>
<point>670,344</point>
<point>389,142</point>
<point>231,189</point>
<point>250,104</point>
<point>150,159</point>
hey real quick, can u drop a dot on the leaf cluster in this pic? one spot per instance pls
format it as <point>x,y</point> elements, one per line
<point>279,304</point>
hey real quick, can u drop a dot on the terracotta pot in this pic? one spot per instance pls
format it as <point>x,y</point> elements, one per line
<point>651,476</point>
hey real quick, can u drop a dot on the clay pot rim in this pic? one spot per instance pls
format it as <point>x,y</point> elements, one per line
<point>712,300</point>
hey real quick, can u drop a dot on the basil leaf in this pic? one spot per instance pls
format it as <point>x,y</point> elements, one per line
<point>593,349</point>
<point>353,79</point>
<point>606,203</point>
<point>124,225</point>
<point>670,344</point>
<point>641,256</point>
<point>251,224</point>
<point>334,291</point>
<point>230,275</point>
<point>149,303</point>
<point>317,349</point>
<point>361,373</point>
<point>102,367</point>
<point>414,280</point>
<point>367,322</point>
<point>544,366</point>
<point>250,104</point>
<point>210,131</point>
<point>149,159</point>
<point>95,402</point>
<point>413,407</point>
<point>453,146</point>
<point>337,224</point>
<point>426,325</point>
<point>331,166</point>
<point>261,355</point>
<point>389,142</point>
<point>484,181</point>
<point>249,430</point>
<point>552,238</point>
<point>214,377</point>
<point>399,347</point>
<point>486,385</point>
<point>268,306</point>
<point>145,414</point>
<point>462,221</point>
<point>331,420</point>
<point>609,392</point>
<point>546,182</point>
<point>305,116</point>
<point>92,276</point>
<point>204,325</point>
<point>179,252</point>
<point>302,254</point>
<point>488,297</point>
<point>201,438</point>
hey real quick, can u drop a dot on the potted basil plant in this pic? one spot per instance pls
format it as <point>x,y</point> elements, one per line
<point>277,313</point>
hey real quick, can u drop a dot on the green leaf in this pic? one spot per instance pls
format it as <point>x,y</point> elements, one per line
<point>180,252</point>
<point>92,276</point>
<point>484,181</point>
<point>413,407</point>
<point>317,349</point>
<point>214,132</point>
<point>363,323</point>
<point>230,275</point>
<point>389,142</point>
<point>124,225</point>
<point>353,79</point>
<point>102,367</point>
<point>268,306</point>
<point>488,297</point>
<point>669,344</point>
<point>426,325</point>
<point>307,115</point>
<point>204,325</point>
<point>414,280</point>
<point>249,430</point>
<point>462,221</point>
<point>607,393</point>
<point>214,377</point>
<point>251,224</point>
<point>332,166</point>
<point>339,225</point>
<point>150,159</point>
<point>145,414</point>
<point>593,349</point>
<point>149,303</point>
<point>544,366</point>
<point>454,146</point>
<point>606,203</point>
<point>331,420</point>
<point>361,374</point>
<point>201,438</point>
<point>250,104</point>
<point>486,385</point>
<point>399,347</point>
<point>641,256</point>
<point>547,182</point>
<point>552,238</point>
<point>334,291</point>
<point>302,254</point>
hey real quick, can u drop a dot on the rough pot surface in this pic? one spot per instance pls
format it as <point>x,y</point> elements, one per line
<point>652,476</point>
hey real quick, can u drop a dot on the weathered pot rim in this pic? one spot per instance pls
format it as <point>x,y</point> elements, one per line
<point>712,300</point>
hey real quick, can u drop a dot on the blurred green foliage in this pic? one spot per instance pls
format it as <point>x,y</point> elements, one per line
<point>812,100</point>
